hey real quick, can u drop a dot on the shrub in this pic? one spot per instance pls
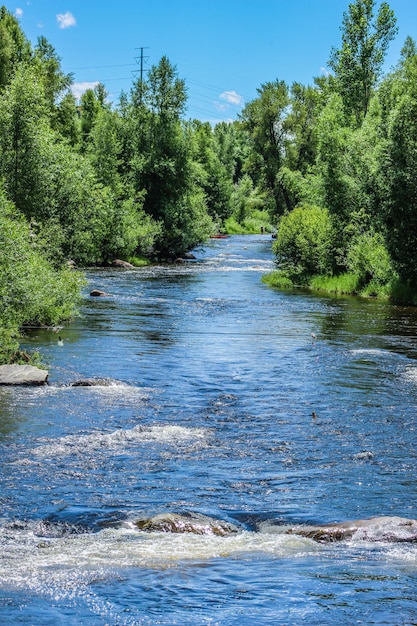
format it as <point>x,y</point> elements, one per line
<point>304,242</point>
<point>369,259</point>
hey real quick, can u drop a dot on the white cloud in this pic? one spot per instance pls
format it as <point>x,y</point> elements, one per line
<point>79,88</point>
<point>65,20</point>
<point>19,12</point>
<point>232,97</point>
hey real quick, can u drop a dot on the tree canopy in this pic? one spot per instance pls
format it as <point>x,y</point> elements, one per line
<point>330,166</point>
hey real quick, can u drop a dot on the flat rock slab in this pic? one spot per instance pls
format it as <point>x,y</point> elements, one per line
<point>22,375</point>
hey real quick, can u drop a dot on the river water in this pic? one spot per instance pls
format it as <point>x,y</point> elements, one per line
<point>210,381</point>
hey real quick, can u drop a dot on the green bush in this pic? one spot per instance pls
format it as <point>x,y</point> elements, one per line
<point>32,291</point>
<point>304,243</point>
<point>369,259</point>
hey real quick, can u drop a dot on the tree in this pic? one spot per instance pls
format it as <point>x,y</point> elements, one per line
<point>14,46</point>
<point>357,65</point>
<point>264,119</point>
<point>48,65</point>
<point>398,180</point>
<point>213,176</point>
<point>32,289</point>
<point>23,124</point>
<point>158,160</point>
<point>66,120</point>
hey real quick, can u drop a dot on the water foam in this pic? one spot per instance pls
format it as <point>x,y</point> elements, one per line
<point>173,435</point>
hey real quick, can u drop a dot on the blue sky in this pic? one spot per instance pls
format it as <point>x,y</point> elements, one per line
<point>224,49</point>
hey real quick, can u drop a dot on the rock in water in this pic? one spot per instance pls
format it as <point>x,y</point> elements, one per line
<point>384,528</point>
<point>97,293</point>
<point>186,523</point>
<point>22,375</point>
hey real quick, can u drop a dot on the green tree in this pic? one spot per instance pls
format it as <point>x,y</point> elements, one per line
<point>23,128</point>
<point>66,120</point>
<point>158,156</point>
<point>15,48</point>
<point>357,65</point>
<point>213,174</point>
<point>48,65</point>
<point>398,180</point>
<point>265,121</point>
<point>32,289</point>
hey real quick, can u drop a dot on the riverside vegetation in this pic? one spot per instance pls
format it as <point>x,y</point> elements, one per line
<point>330,166</point>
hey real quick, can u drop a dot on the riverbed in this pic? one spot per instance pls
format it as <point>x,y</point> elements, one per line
<point>219,396</point>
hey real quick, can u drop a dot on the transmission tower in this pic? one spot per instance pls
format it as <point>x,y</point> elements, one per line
<point>141,59</point>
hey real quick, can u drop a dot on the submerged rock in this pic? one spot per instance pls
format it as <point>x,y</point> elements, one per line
<point>97,293</point>
<point>384,528</point>
<point>195,523</point>
<point>94,382</point>
<point>22,375</point>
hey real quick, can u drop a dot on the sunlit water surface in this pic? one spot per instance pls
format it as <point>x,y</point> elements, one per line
<point>215,377</point>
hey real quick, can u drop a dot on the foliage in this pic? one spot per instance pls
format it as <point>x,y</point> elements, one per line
<point>399,185</point>
<point>304,243</point>
<point>32,291</point>
<point>369,260</point>
<point>332,163</point>
<point>257,222</point>
<point>357,64</point>
<point>265,121</point>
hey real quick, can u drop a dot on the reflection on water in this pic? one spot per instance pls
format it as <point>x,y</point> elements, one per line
<point>216,378</point>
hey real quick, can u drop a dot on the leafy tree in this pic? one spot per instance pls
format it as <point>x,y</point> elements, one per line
<point>305,106</point>
<point>15,48</point>
<point>265,121</point>
<point>398,181</point>
<point>66,120</point>
<point>48,65</point>
<point>89,110</point>
<point>159,159</point>
<point>32,290</point>
<point>213,175</point>
<point>232,146</point>
<point>357,65</point>
<point>23,128</point>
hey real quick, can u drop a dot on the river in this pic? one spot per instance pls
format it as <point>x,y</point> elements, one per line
<point>209,383</point>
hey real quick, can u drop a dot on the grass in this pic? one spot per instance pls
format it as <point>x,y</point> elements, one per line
<point>138,261</point>
<point>258,222</point>
<point>347,284</point>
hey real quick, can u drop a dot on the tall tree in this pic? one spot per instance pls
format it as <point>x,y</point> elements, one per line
<point>357,65</point>
<point>159,159</point>
<point>56,82</point>
<point>399,164</point>
<point>14,46</point>
<point>264,119</point>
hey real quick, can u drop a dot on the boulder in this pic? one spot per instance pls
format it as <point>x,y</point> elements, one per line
<point>119,263</point>
<point>22,375</point>
<point>94,382</point>
<point>97,293</point>
<point>384,528</point>
<point>195,523</point>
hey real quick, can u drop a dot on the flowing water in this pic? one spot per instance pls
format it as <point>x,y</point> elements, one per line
<point>209,381</point>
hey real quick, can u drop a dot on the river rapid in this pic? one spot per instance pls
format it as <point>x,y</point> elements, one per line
<point>208,384</point>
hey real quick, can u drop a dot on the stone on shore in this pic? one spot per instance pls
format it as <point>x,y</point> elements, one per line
<point>22,375</point>
<point>120,263</point>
